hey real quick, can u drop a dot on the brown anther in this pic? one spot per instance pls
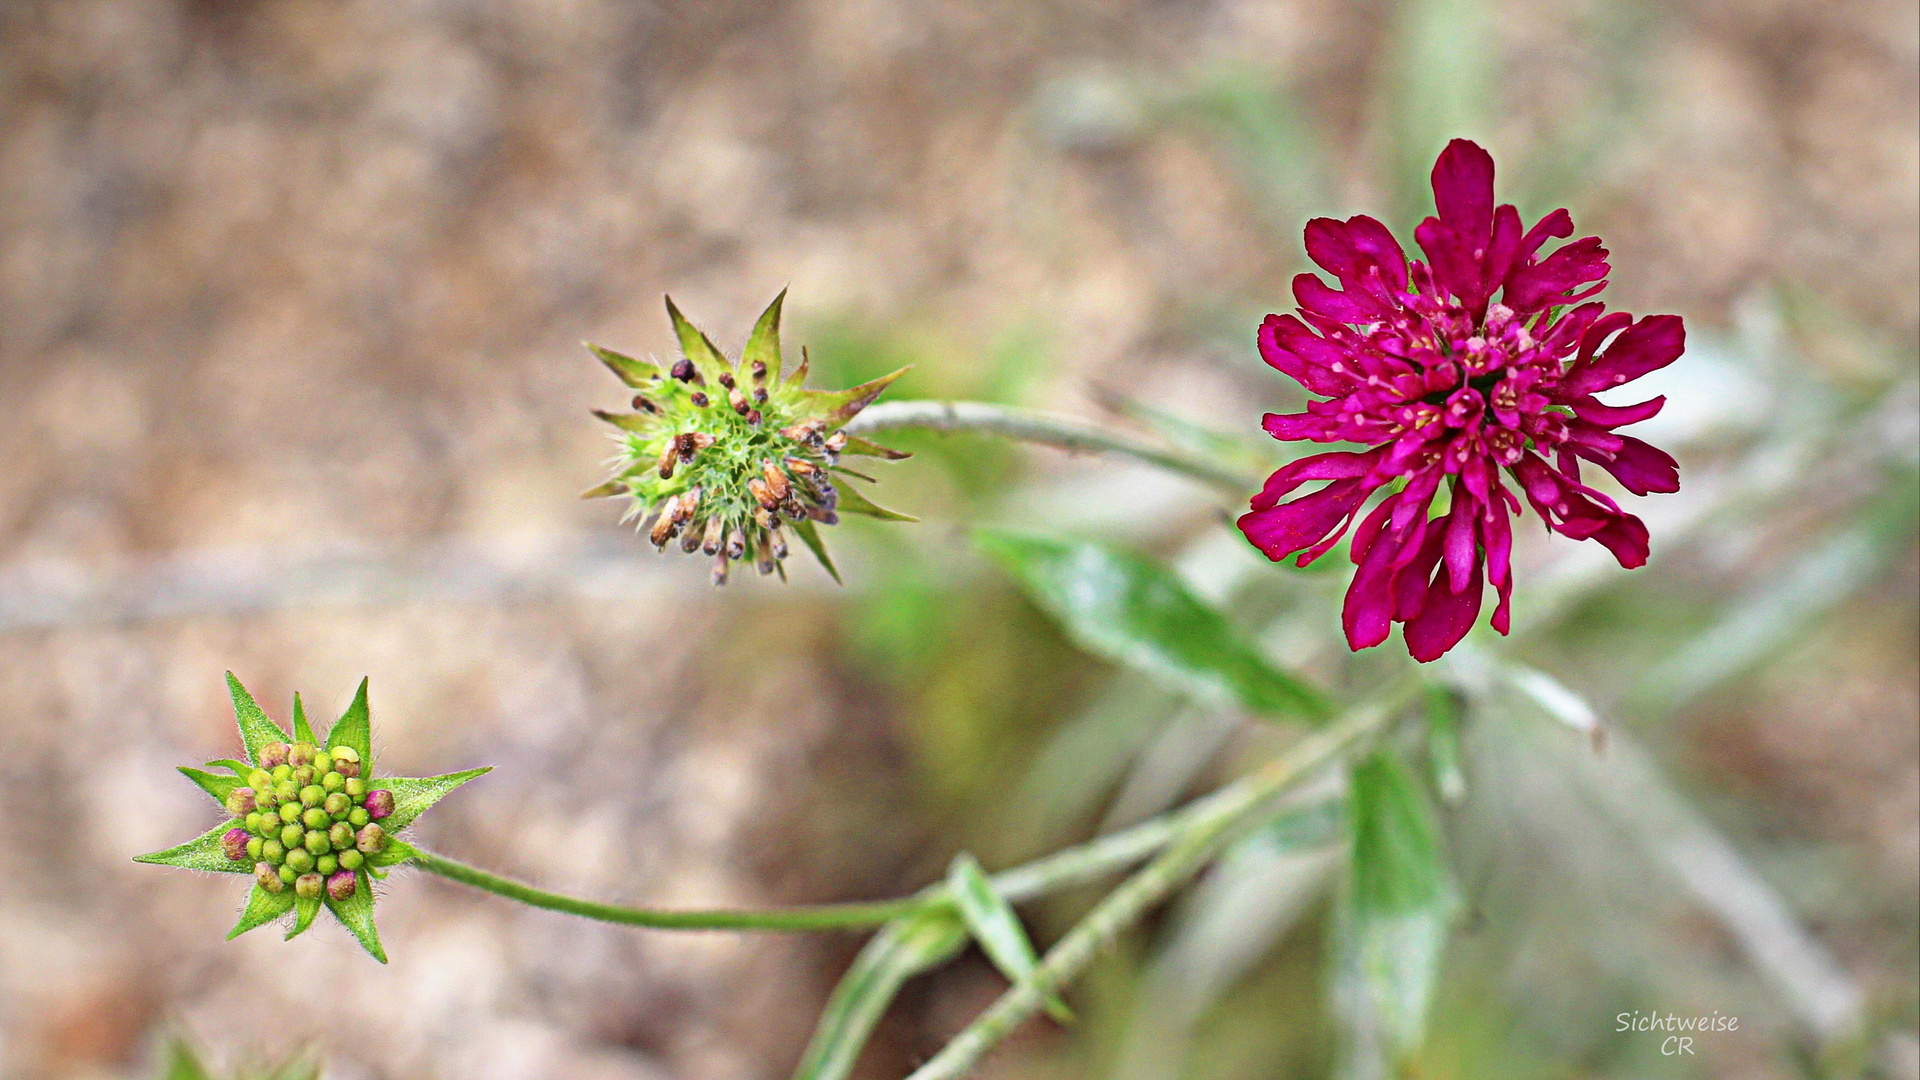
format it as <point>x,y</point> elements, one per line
<point>641,403</point>
<point>837,442</point>
<point>823,515</point>
<point>776,481</point>
<point>699,399</point>
<point>800,466</point>
<point>666,460</point>
<point>753,417</point>
<point>686,372</point>
<point>690,538</point>
<point>726,379</point>
<point>760,394</point>
<point>702,440</point>
<point>759,371</point>
<point>776,541</point>
<point>716,530</point>
<point>664,525</point>
<point>765,518</point>
<point>689,502</point>
<point>720,569</point>
<point>761,494</point>
<point>736,544</point>
<point>738,400</point>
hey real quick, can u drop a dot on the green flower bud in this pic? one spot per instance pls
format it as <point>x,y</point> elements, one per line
<point>341,885</point>
<point>356,788</point>
<point>289,811</point>
<point>337,804</point>
<point>259,779</point>
<point>302,775</point>
<point>287,874</point>
<point>379,803</point>
<point>265,798</point>
<point>312,795</point>
<point>333,781</point>
<point>282,771</point>
<point>358,817</point>
<point>234,843</point>
<point>326,864</point>
<point>273,851</point>
<point>300,859</point>
<point>268,877</point>
<point>273,755</point>
<point>344,753</point>
<point>371,840</point>
<point>351,859</point>
<point>253,820</point>
<point>315,818</point>
<point>287,791</point>
<point>301,753</point>
<point>309,886</point>
<point>256,848</point>
<point>292,835</point>
<point>322,763</point>
<point>316,842</point>
<point>240,801</point>
<point>341,835</point>
<point>269,826</point>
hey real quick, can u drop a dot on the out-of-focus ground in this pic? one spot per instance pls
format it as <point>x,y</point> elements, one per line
<point>290,298</point>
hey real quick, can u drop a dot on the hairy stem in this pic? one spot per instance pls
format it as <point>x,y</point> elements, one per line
<point>1048,429</point>
<point>1216,823</point>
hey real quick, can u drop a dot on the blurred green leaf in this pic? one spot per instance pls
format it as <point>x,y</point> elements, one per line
<point>1392,924</point>
<point>413,796</point>
<point>898,951</point>
<point>355,727</point>
<point>996,927</point>
<point>1443,743</point>
<point>809,534</point>
<point>256,730</point>
<point>356,914</point>
<point>1138,613</point>
<point>183,1062</point>
<point>204,852</point>
<point>262,908</point>
<point>212,783</point>
<point>763,344</point>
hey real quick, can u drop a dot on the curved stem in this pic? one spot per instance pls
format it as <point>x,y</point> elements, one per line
<point>1209,832</point>
<point>1048,429</point>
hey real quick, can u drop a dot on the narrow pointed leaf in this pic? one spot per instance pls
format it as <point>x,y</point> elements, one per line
<point>1138,613</point>
<point>809,534</point>
<point>601,491</point>
<point>705,357</point>
<point>764,343</point>
<point>1397,906</point>
<point>256,730</point>
<point>397,852</point>
<point>996,927</point>
<point>183,1063</point>
<point>304,911</point>
<point>212,783</point>
<point>799,376</point>
<point>900,950</point>
<point>858,445</point>
<point>240,768</point>
<point>356,914</point>
<point>413,795</point>
<point>852,502</point>
<point>355,728</point>
<point>836,407</point>
<point>634,373</point>
<point>262,908</point>
<point>203,852</point>
<point>302,731</point>
<point>638,423</point>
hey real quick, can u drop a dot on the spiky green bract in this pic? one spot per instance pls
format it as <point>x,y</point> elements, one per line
<point>281,859</point>
<point>729,457</point>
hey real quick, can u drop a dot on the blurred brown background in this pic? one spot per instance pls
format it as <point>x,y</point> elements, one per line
<point>290,298</point>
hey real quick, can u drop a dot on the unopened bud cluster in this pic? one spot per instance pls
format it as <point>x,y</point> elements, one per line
<point>308,820</point>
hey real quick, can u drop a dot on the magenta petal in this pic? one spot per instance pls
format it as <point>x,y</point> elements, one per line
<point>1625,536</point>
<point>1590,409</point>
<point>1641,468</point>
<point>1530,288</point>
<point>1279,531</point>
<point>1333,465</point>
<point>1557,224</point>
<point>1376,242</point>
<point>1329,245</point>
<point>1444,619</point>
<point>1322,299</point>
<point>1458,546</point>
<point>1410,581</point>
<point>1367,615</point>
<point>1463,191</point>
<point>1497,534</point>
<point>1648,345</point>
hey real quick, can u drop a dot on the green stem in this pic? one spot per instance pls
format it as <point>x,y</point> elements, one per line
<point>1215,824</point>
<point>1048,429</point>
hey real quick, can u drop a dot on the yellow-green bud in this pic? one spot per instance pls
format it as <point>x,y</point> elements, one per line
<point>273,755</point>
<point>269,826</point>
<point>326,864</point>
<point>312,795</point>
<point>273,851</point>
<point>289,811</point>
<point>341,835</point>
<point>315,818</point>
<point>256,848</point>
<point>282,771</point>
<point>300,859</point>
<point>351,858</point>
<point>259,779</point>
<point>303,775</point>
<point>286,790</point>
<point>253,821</point>
<point>357,816</point>
<point>288,873</point>
<point>337,805</point>
<point>265,798</point>
<point>356,787</point>
<point>371,840</point>
<point>316,842</point>
<point>309,886</point>
<point>292,835</point>
<point>344,752</point>
<point>333,781</point>
<point>268,877</point>
<point>322,763</point>
<point>300,753</point>
<point>240,801</point>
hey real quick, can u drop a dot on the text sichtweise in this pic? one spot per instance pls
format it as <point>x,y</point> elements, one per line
<point>1673,1022</point>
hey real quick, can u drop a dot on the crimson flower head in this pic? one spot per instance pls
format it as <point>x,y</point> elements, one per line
<point>1483,358</point>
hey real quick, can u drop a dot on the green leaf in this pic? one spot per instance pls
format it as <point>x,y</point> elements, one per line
<point>397,852</point>
<point>356,914</point>
<point>1135,612</point>
<point>355,729</point>
<point>635,373</point>
<point>764,343</point>
<point>638,423</point>
<point>705,357</point>
<point>809,534</point>
<point>204,852</point>
<point>302,731</point>
<point>304,910</point>
<point>900,950</point>
<point>1443,744</point>
<point>996,927</point>
<point>413,795</point>
<point>256,730</point>
<point>212,783</point>
<point>262,908</point>
<point>836,407</point>
<point>616,486</point>
<point>858,445</point>
<point>1392,929</point>
<point>183,1063</point>
<point>852,502</point>
<point>240,768</point>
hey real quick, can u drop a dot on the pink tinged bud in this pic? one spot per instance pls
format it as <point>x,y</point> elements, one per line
<point>273,754</point>
<point>379,803</point>
<point>371,840</point>
<point>268,876</point>
<point>300,754</point>
<point>341,885</point>
<point>234,843</point>
<point>240,802</point>
<point>308,886</point>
